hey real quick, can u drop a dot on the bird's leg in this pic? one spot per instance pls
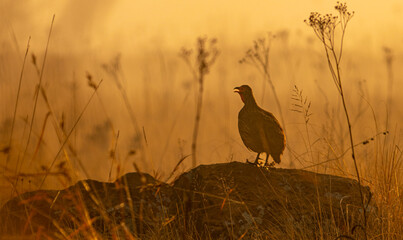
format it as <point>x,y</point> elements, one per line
<point>271,165</point>
<point>256,162</point>
<point>257,159</point>
<point>267,158</point>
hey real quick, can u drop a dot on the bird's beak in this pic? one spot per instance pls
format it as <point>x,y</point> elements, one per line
<point>236,89</point>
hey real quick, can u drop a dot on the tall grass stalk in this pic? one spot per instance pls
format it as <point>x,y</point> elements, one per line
<point>115,71</point>
<point>36,96</point>
<point>324,27</point>
<point>17,100</point>
<point>389,67</point>
<point>258,57</point>
<point>207,53</point>
<point>68,135</point>
<point>303,106</point>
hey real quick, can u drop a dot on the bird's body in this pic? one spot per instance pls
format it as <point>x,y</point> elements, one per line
<point>260,131</point>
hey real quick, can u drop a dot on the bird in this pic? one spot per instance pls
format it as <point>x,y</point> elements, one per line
<point>259,129</point>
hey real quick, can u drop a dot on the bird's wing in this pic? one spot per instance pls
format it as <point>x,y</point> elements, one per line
<point>273,130</point>
<point>248,131</point>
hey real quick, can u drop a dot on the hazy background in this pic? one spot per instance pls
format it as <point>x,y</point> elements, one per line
<point>145,37</point>
<point>128,26</point>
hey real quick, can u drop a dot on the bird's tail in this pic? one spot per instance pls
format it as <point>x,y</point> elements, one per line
<point>276,158</point>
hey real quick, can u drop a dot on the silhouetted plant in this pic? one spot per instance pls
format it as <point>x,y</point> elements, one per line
<point>35,97</point>
<point>205,57</point>
<point>388,53</point>
<point>258,57</point>
<point>303,106</point>
<point>325,26</point>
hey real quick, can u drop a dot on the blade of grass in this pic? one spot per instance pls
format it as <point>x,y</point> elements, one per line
<point>37,95</point>
<point>68,135</point>
<point>17,99</point>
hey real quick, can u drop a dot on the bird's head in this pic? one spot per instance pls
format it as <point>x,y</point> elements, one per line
<point>245,92</point>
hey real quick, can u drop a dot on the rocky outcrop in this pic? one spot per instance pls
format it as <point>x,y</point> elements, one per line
<point>220,201</point>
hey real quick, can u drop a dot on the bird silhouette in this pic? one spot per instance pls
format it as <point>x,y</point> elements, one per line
<point>259,129</point>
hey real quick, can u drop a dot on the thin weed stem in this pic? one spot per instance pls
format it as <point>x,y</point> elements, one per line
<point>67,136</point>
<point>17,100</point>
<point>207,53</point>
<point>324,27</point>
<point>37,94</point>
<point>259,57</point>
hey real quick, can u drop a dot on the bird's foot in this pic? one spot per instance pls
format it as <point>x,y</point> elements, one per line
<point>270,165</point>
<point>252,163</point>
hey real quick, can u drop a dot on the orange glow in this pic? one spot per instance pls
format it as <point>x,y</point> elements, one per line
<point>133,46</point>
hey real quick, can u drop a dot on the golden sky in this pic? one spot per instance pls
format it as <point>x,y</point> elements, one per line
<point>130,25</point>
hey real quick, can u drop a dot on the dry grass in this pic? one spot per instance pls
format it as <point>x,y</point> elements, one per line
<point>140,129</point>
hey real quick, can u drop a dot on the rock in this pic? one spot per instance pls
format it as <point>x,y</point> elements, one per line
<point>236,199</point>
<point>219,201</point>
<point>137,200</point>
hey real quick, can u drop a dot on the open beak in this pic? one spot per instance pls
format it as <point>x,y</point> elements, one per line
<point>236,89</point>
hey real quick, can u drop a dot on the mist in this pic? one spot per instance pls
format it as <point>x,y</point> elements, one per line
<point>142,41</point>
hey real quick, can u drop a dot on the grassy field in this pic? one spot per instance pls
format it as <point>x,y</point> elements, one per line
<point>69,117</point>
